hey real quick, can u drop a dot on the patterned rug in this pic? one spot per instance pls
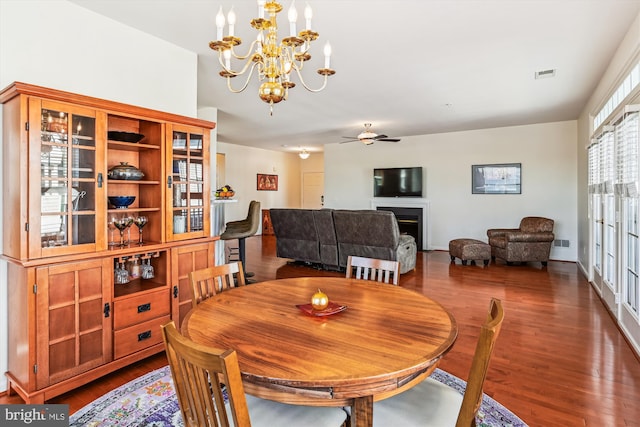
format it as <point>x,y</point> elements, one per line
<point>150,401</point>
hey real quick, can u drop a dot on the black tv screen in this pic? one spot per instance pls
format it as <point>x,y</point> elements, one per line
<point>397,182</point>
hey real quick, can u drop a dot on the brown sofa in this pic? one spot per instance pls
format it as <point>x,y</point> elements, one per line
<point>530,242</point>
<point>327,237</point>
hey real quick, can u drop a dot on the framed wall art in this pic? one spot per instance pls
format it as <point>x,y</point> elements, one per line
<point>267,182</point>
<point>504,178</point>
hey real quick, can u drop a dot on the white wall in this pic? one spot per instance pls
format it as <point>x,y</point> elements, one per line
<point>315,163</point>
<point>242,164</point>
<point>547,153</point>
<point>57,44</point>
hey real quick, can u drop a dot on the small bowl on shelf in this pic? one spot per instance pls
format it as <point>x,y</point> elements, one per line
<point>121,202</point>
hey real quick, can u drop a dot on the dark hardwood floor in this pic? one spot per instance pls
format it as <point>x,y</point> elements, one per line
<point>559,361</point>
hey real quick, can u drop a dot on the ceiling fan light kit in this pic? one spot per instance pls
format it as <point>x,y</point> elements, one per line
<point>274,60</point>
<point>368,137</point>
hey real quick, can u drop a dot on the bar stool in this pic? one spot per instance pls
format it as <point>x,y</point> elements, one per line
<point>241,230</point>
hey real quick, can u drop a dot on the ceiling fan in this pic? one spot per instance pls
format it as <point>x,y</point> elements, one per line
<point>367,137</point>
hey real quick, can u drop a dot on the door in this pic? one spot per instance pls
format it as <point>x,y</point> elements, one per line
<point>185,259</point>
<point>66,196</point>
<point>312,190</point>
<point>73,310</point>
<point>187,182</point>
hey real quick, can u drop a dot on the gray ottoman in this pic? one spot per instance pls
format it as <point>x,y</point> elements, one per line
<point>469,250</point>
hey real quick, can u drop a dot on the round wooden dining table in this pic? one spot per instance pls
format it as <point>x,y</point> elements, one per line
<point>385,341</point>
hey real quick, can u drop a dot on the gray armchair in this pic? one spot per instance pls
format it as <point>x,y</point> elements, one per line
<point>530,242</point>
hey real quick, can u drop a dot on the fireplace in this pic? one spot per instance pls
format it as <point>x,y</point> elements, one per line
<point>412,216</point>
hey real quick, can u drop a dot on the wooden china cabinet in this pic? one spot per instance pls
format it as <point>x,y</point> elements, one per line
<point>86,298</point>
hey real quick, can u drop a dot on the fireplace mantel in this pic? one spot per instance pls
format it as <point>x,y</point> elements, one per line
<point>409,202</point>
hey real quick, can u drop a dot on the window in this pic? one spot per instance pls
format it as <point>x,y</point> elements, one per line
<point>626,87</point>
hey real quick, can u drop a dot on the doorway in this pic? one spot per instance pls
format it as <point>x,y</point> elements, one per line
<point>312,190</point>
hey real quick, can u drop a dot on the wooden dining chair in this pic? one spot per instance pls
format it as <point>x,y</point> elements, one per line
<point>381,270</point>
<point>432,403</point>
<point>206,282</point>
<point>207,403</point>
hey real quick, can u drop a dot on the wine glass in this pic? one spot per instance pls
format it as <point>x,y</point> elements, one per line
<point>140,222</point>
<point>122,223</point>
<point>147,269</point>
<point>121,273</point>
<point>112,227</point>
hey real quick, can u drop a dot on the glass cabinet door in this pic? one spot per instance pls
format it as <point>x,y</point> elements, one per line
<point>68,179</point>
<point>189,192</point>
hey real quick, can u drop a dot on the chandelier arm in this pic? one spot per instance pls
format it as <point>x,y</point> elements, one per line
<point>246,83</point>
<point>249,54</point>
<point>305,84</point>
<point>297,65</point>
<point>237,73</point>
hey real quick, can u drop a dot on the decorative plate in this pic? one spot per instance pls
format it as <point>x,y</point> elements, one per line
<point>332,308</point>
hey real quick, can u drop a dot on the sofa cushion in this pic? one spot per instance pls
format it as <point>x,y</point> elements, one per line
<point>366,227</point>
<point>536,224</point>
<point>296,235</point>
<point>326,231</point>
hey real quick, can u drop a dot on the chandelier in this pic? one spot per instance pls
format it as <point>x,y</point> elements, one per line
<point>304,154</point>
<point>274,60</point>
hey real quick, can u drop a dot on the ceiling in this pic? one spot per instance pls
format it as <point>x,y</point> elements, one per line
<point>410,67</point>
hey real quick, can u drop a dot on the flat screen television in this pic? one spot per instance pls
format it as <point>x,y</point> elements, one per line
<point>397,182</point>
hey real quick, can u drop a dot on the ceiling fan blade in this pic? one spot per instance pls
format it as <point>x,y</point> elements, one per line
<point>388,139</point>
<point>350,140</point>
<point>380,137</point>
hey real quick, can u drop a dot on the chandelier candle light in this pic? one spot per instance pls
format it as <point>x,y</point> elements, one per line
<point>274,60</point>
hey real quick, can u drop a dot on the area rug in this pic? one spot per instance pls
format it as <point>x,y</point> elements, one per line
<point>150,401</point>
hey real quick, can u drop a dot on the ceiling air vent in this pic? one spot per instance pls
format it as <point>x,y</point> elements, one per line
<point>544,74</point>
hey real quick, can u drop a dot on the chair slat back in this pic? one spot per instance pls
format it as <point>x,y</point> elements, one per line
<point>206,282</point>
<point>381,270</point>
<point>480,364</point>
<point>193,366</point>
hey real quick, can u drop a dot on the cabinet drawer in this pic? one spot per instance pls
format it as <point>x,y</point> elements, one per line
<point>138,337</point>
<point>140,308</point>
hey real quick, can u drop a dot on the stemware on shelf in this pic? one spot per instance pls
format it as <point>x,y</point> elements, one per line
<point>140,222</point>
<point>121,274</point>
<point>147,269</point>
<point>112,228</point>
<point>122,223</point>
